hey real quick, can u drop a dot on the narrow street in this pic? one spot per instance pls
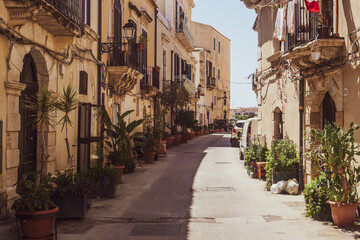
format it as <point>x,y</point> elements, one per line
<point>200,190</point>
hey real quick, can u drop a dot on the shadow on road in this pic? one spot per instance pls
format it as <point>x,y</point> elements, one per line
<point>168,200</point>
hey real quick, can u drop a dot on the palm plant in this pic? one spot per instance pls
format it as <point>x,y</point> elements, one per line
<point>66,103</point>
<point>42,105</point>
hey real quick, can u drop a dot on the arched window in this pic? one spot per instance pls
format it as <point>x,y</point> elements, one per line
<point>329,110</point>
<point>278,124</point>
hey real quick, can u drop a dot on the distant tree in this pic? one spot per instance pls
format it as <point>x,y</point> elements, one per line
<point>241,117</point>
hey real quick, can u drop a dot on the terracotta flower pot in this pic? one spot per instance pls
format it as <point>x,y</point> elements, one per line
<point>343,214</point>
<point>201,132</point>
<point>120,171</point>
<point>38,224</point>
<point>185,137</point>
<point>197,133</point>
<point>149,157</point>
<point>177,140</point>
<point>169,141</point>
<point>192,134</point>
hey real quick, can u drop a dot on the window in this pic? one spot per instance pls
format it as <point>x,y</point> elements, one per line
<point>219,46</point>
<point>83,83</point>
<point>86,11</point>
<point>215,100</point>
<point>189,71</point>
<point>115,113</point>
<point>176,66</point>
<point>219,74</point>
<point>164,65</point>
<point>214,44</point>
<point>137,107</point>
<point>213,72</point>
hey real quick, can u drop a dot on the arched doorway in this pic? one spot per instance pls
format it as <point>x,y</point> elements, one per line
<point>278,124</point>
<point>27,135</point>
<point>328,110</point>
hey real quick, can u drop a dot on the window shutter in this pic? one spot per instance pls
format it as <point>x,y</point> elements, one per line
<point>83,83</point>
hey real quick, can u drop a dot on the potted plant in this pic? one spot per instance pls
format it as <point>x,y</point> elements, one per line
<point>120,142</point>
<point>150,144</point>
<point>34,208</point>
<point>177,138</point>
<point>142,43</point>
<point>69,192</point>
<point>337,151</point>
<point>282,162</point>
<point>169,139</point>
<point>103,180</point>
<point>185,118</point>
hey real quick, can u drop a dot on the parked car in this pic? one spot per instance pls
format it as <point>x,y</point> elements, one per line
<point>246,134</point>
<point>236,133</point>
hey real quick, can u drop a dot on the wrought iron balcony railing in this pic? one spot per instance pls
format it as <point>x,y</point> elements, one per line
<point>309,26</point>
<point>72,9</point>
<point>151,78</point>
<point>129,54</point>
<point>182,28</point>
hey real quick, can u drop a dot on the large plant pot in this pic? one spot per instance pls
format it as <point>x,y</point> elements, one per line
<point>185,137</point>
<point>162,148</point>
<point>149,157</point>
<point>120,171</point>
<point>343,214</point>
<point>169,141</point>
<point>201,132</point>
<point>177,140</point>
<point>197,133</point>
<point>38,224</point>
<point>72,206</point>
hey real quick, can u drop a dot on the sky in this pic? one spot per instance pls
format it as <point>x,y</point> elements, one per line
<point>232,19</point>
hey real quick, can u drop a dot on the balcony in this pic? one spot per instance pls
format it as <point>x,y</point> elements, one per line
<point>149,84</point>
<point>183,34</point>
<point>210,82</point>
<point>127,64</point>
<point>59,17</point>
<point>314,41</point>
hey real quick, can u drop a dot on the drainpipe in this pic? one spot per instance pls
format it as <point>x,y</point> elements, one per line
<point>171,83</point>
<point>155,55</point>
<point>99,52</point>
<point>155,58</point>
<point>301,137</point>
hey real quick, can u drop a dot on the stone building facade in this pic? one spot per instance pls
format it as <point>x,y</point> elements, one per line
<point>42,45</point>
<point>212,53</point>
<point>310,77</point>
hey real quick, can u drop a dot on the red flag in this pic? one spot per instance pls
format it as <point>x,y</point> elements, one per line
<point>312,5</point>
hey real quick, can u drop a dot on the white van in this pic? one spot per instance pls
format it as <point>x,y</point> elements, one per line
<point>246,134</point>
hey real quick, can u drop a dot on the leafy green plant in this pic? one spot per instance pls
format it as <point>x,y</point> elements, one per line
<point>101,178</point>
<point>255,153</point>
<point>66,183</point>
<point>120,140</point>
<point>337,151</point>
<point>33,197</point>
<point>67,103</point>
<point>316,196</point>
<point>185,118</point>
<point>282,161</point>
<point>150,144</point>
<point>173,97</point>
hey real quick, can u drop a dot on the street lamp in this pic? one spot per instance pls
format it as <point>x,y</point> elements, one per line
<point>130,28</point>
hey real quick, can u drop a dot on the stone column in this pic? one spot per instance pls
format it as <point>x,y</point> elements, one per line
<point>12,153</point>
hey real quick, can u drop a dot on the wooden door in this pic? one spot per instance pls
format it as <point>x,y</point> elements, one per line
<point>27,135</point>
<point>329,110</point>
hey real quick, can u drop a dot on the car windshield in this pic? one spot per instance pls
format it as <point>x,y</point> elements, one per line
<point>240,125</point>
